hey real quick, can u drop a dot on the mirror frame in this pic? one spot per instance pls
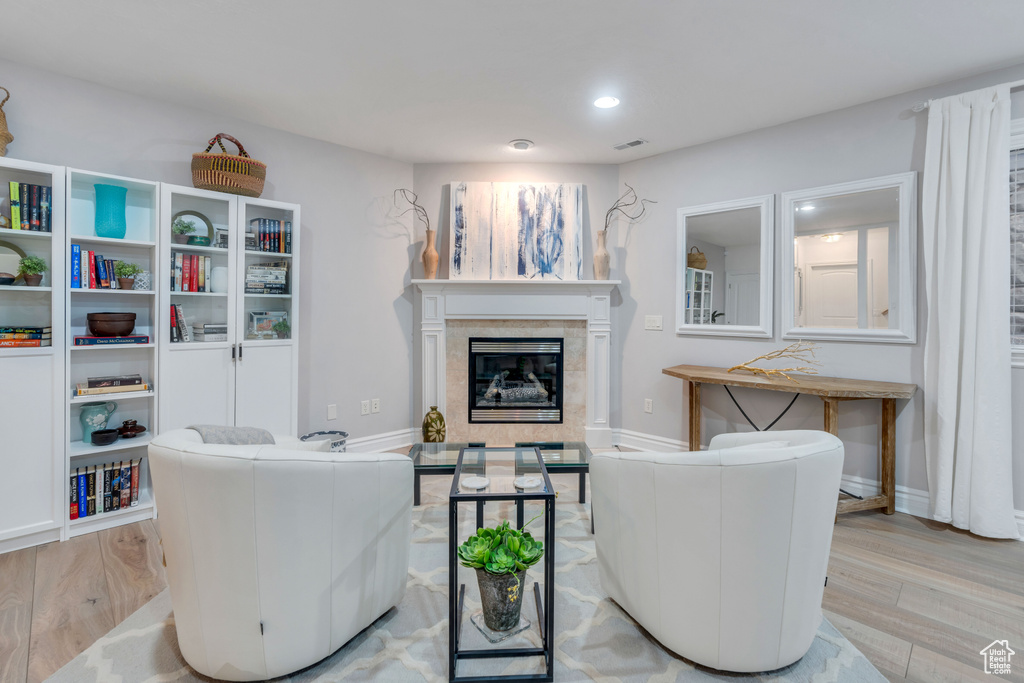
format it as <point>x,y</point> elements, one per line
<point>764,328</point>
<point>906,333</point>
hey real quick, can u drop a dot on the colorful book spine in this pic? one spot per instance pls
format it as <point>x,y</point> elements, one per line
<point>16,207</point>
<point>27,343</point>
<point>108,482</point>
<point>207,266</point>
<point>174,325</point>
<point>101,273</point>
<point>45,215</point>
<point>35,205</point>
<point>82,390</point>
<point>182,325</point>
<point>287,237</point>
<point>90,486</point>
<point>23,191</point>
<point>126,484</point>
<point>136,464</point>
<point>113,381</point>
<point>115,486</point>
<point>26,330</point>
<point>25,335</point>
<point>109,264</point>
<point>95,341</point>
<point>184,275</point>
<point>201,282</point>
<point>73,512</point>
<point>194,283</point>
<point>83,496</point>
<point>76,266</point>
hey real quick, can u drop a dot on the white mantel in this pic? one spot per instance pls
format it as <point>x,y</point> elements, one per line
<point>588,300</point>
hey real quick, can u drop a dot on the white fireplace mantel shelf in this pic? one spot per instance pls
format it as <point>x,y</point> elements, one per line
<point>588,300</point>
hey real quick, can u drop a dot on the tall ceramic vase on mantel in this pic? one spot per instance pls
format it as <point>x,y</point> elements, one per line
<point>602,258</point>
<point>430,256</point>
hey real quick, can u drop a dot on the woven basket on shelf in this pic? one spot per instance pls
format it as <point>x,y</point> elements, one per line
<point>696,260</point>
<point>5,135</point>
<point>234,173</point>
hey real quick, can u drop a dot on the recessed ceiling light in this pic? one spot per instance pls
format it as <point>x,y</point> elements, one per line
<point>606,102</point>
<point>833,237</point>
<point>806,207</point>
<point>520,144</point>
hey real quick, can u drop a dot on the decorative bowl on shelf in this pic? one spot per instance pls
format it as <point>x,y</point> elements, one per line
<point>111,324</point>
<point>104,437</point>
<point>7,279</point>
<point>199,241</point>
<point>130,429</point>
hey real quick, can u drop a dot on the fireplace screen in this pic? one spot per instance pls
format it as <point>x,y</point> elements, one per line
<point>515,380</point>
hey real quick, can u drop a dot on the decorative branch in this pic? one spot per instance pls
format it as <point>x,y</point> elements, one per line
<point>421,213</point>
<point>801,352</point>
<point>628,199</point>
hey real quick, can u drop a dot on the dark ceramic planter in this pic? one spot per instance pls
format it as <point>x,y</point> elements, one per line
<point>179,239</point>
<point>501,598</point>
<point>33,280</point>
<point>126,282</point>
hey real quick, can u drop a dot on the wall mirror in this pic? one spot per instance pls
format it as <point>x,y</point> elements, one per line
<point>724,268</point>
<point>849,261</point>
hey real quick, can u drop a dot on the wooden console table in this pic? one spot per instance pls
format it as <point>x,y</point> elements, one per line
<point>831,390</point>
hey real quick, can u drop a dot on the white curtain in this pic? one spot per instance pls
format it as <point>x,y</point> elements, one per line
<point>965,212</point>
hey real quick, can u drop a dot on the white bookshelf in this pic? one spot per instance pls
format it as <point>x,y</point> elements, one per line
<point>140,245</point>
<point>32,456</point>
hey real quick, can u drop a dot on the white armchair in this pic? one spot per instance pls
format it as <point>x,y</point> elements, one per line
<point>276,557</point>
<point>721,555</point>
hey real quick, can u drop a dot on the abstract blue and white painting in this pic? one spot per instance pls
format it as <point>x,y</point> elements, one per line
<point>516,231</point>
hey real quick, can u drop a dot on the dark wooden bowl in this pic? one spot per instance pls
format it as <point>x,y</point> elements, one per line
<point>104,437</point>
<point>111,324</point>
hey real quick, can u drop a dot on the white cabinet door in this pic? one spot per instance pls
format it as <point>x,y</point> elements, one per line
<point>197,386</point>
<point>265,387</point>
<point>32,433</point>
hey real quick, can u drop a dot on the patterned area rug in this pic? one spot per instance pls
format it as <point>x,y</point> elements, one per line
<point>595,640</point>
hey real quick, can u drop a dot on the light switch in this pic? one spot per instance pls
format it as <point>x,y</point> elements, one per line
<point>652,322</point>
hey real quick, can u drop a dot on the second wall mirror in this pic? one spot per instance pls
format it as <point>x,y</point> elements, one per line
<point>849,261</point>
<point>724,268</point>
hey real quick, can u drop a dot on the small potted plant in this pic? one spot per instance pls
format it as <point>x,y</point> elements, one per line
<point>31,268</point>
<point>282,329</point>
<point>181,229</point>
<point>501,557</point>
<point>125,273</point>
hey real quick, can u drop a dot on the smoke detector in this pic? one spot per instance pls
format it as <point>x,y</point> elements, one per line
<point>520,144</point>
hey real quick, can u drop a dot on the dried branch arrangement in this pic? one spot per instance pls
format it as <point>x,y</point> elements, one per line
<point>622,204</point>
<point>801,352</point>
<point>410,197</point>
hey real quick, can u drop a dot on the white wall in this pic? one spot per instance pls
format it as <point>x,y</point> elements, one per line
<point>356,336</point>
<point>873,139</point>
<point>431,183</point>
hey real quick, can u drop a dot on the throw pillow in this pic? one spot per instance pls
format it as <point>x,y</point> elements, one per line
<point>234,436</point>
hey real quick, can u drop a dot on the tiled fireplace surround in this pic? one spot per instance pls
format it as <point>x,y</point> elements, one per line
<point>452,311</point>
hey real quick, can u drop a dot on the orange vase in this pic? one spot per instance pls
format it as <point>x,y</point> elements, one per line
<point>430,257</point>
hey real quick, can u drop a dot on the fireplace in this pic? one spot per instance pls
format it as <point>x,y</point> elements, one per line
<point>515,380</point>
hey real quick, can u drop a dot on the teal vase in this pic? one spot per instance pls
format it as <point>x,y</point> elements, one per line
<point>94,416</point>
<point>110,211</point>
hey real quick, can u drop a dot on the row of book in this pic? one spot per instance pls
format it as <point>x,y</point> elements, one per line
<point>99,489</point>
<point>111,384</point>
<point>90,270</point>
<point>270,235</point>
<point>30,207</point>
<point>266,278</point>
<point>190,273</point>
<point>26,336</point>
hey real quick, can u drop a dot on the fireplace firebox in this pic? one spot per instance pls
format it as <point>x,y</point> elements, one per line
<point>515,380</point>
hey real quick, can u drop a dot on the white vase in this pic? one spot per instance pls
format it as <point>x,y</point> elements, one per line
<point>602,258</point>
<point>219,279</point>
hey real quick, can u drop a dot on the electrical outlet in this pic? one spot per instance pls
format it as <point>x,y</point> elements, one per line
<point>375,405</point>
<point>364,407</point>
<point>652,322</point>
<point>332,411</point>
<point>648,405</point>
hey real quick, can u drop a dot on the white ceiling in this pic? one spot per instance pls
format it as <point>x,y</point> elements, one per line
<point>454,80</point>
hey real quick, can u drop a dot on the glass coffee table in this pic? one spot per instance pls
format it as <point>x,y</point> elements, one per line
<point>560,457</point>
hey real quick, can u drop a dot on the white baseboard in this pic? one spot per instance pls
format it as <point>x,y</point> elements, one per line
<point>646,442</point>
<point>381,443</point>
<point>910,501</point>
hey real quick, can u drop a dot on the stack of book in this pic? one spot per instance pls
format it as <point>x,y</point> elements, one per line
<point>98,489</point>
<point>87,340</point>
<point>210,332</point>
<point>25,336</point>
<point>30,207</point>
<point>179,328</point>
<point>114,384</point>
<point>269,234</point>
<point>266,278</point>
<point>90,270</point>
<point>190,272</point>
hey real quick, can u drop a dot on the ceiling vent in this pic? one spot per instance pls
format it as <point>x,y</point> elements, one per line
<point>631,143</point>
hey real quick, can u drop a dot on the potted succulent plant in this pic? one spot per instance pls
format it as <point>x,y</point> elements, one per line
<point>125,273</point>
<point>501,557</point>
<point>32,268</point>
<point>282,329</point>
<point>181,229</point>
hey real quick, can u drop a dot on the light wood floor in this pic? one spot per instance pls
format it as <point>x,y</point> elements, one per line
<point>919,599</point>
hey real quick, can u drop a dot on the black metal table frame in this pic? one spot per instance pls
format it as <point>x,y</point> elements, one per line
<point>457,592</point>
